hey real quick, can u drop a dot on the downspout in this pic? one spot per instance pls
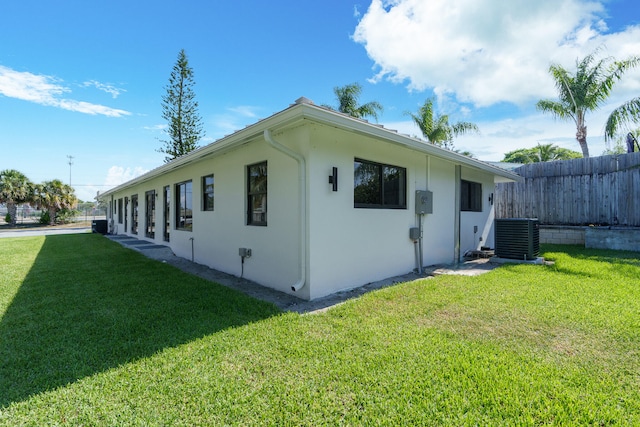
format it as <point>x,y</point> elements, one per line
<point>421,217</point>
<point>456,220</point>
<point>111,221</point>
<point>302,196</point>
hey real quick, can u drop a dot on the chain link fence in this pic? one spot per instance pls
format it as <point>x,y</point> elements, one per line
<point>28,215</point>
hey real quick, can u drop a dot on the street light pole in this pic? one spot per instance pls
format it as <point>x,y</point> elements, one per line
<point>70,163</point>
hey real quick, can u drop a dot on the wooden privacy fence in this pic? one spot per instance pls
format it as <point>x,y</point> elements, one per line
<point>601,190</point>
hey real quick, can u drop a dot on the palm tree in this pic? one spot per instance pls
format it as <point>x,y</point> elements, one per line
<point>546,152</point>
<point>15,188</point>
<point>584,91</point>
<point>436,129</point>
<point>54,196</point>
<point>627,113</point>
<point>347,97</point>
<point>540,153</point>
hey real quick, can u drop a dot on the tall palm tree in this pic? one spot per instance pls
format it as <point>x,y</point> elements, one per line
<point>436,129</point>
<point>348,96</point>
<point>584,91</point>
<point>54,196</point>
<point>15,188</point>
<point>627,113</point>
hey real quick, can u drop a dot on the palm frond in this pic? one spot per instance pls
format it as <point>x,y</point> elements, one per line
<point>627,113</point>
<point>461,128</point>
<point>370,109</point>
<point>556,109</point>
<point>348,96</point>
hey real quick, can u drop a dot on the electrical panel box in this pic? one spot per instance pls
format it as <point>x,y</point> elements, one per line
<point>424,202</point>
<point>414,233</point>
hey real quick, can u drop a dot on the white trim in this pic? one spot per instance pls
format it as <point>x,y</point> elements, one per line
<point>305,111</point>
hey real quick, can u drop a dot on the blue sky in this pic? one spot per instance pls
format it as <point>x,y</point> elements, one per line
<point>85,79</point>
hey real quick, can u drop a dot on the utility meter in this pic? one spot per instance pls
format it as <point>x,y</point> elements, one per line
<point>424,202</point>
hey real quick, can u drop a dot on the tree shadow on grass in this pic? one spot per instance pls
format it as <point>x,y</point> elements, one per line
<point>88,305</point>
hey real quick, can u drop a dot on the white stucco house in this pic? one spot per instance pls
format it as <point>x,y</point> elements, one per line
<point>310,201</point>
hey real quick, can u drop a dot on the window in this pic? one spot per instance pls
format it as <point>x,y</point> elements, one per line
<point>257,194</point>
<point>166,214</point>
<point>126,208</point>
<point>184,206</point>
<point>470,196</point>
<point>134,214</point>
<point>150,214</point>
<point>207,193</point>
<point>119,211</point>
<point>376,185</point>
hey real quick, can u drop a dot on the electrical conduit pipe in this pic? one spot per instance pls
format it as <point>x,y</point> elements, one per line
<point>302,196</point>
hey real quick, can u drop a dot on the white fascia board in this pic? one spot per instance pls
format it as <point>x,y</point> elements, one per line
<point>299,112</point>
<point>377,131</point>
<point>223,145</point>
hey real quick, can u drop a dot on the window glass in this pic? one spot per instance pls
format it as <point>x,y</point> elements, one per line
<point>134,214</point>
<point>167,217</point>
<point>120,211</point>
<point>207,193</point>
<point>257,194</point>
<point>366,189</point>
<point>377,185</point>
<point>470,196</point>
<point>150,214</point>
<point>184,206</point>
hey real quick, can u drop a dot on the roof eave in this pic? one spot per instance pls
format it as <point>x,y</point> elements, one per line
<point>379,132</point>
<point>301,111</point>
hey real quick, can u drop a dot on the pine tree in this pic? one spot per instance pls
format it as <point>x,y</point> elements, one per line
<point>180,109</point>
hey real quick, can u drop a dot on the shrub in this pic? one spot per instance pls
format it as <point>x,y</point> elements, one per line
<point>44,217</point>
<point>65,216</point>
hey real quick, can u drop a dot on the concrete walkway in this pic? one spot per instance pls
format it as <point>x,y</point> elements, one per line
<point>282,300</point>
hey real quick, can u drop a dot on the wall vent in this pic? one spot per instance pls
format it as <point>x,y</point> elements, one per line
<point>517,238</point>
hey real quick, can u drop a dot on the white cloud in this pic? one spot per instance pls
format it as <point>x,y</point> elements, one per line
<point>155,128</point>
<point>117,175</point>
<point>244,110</point>
<point>87,192</point>
<point>499,137</point>
<point>112,90</point>
<point>235,119</point>
<point>29,87</point>
<point>88,108</point>
<point>486,52</point>
<point>46,90</point>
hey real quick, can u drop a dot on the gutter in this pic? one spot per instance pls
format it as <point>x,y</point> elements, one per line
<point>305,110</point>
<point>302,195</point>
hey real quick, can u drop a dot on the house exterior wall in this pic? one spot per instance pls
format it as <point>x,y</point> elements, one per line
<point>345,246</point>
<point>217,235</point>
<point>484,221</point>
<point>353,246</point>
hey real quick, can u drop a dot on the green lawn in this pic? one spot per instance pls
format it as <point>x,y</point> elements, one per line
<point>92,333</point>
